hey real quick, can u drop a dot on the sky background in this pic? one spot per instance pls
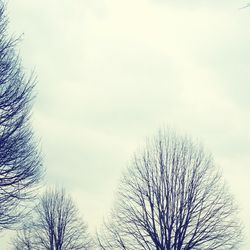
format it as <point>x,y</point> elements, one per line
<point>111,73</point>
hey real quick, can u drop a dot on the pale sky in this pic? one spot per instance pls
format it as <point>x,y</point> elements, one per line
<point>111,73</point>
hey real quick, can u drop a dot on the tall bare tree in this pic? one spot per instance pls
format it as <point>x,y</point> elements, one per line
<point>172,197</point>
<point>55,226</point>
<point>20,164</point>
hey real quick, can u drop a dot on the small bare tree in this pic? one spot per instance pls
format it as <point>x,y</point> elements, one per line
<point>20,165</point>
<point>23,239</point>
<point>55,225</point>
<point>172,198</point>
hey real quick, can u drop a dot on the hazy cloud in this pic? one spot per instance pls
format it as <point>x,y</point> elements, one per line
<point>112,72</point>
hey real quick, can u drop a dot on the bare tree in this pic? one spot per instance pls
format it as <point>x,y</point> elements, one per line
<point>172,197</point>
<point>20,164</point>
<point>23,239</point>
<point>55,225</point>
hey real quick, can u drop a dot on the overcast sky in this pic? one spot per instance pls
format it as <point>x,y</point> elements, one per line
<point>111,73</point>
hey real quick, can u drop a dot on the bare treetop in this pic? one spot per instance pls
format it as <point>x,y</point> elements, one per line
<point>55,224</point>
<point>172,197</point>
